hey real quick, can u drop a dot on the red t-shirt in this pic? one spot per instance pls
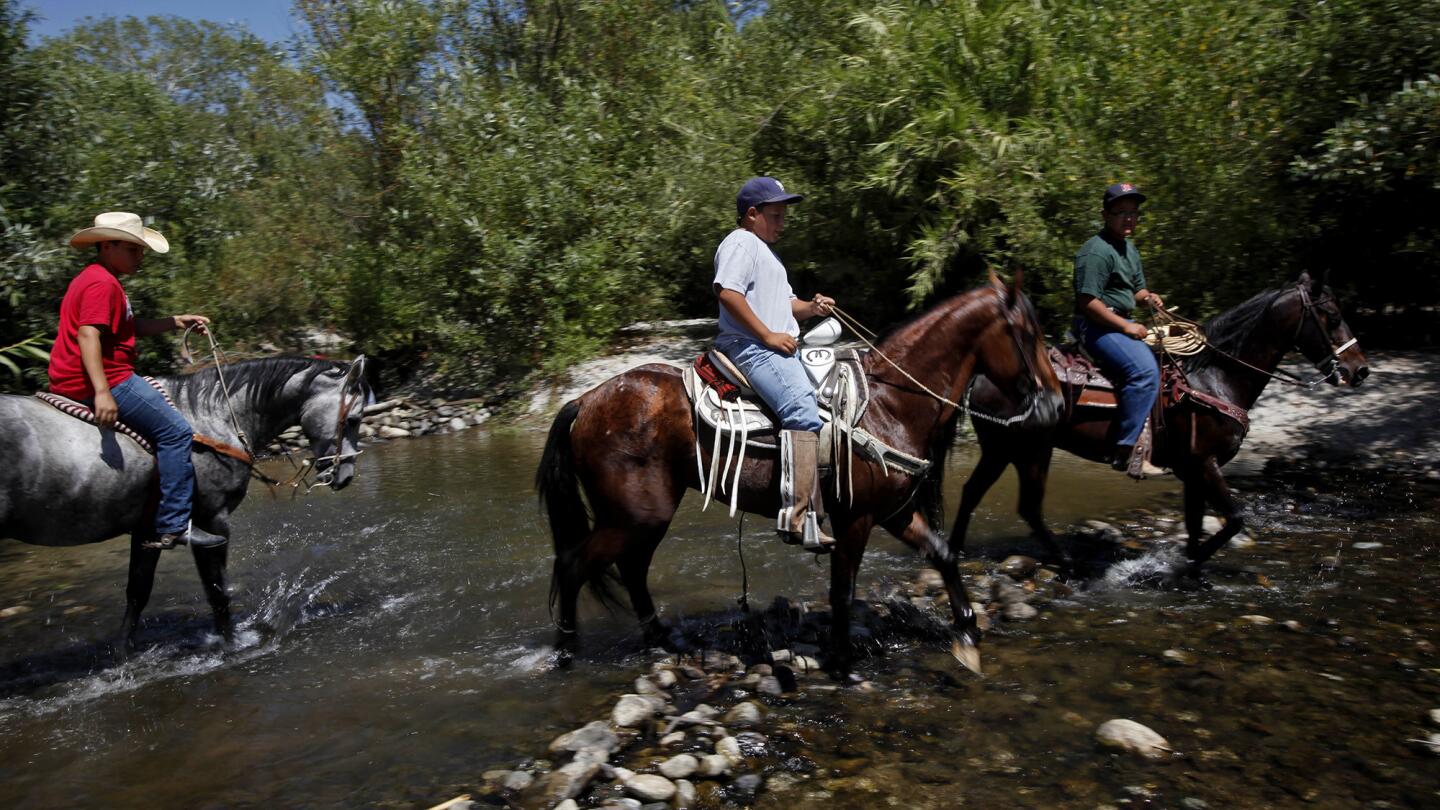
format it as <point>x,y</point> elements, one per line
<point>94,298</point>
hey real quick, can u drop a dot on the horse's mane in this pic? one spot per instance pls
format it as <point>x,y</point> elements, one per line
<point>1230,330</point>
<point>258,380</point>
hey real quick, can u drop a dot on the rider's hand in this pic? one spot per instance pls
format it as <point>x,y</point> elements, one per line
<point>106,411</point>
<point>183,322</point>
<point>780,342</point>
<point>1136,330</point>
<point>822,304</point>
<point>1155,301</point>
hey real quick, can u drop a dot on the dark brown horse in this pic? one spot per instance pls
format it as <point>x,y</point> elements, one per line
<point>630,443</point>
<point>1247,343</point>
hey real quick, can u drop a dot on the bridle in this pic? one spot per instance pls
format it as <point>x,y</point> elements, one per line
<point>354,378</point>
<point>1328,366</point>
<point>1032,398</point>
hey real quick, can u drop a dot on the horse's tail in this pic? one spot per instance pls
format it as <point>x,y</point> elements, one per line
<point>557,485</point>
<point>559,491</point>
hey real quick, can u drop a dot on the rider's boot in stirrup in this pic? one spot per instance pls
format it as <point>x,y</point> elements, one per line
<point>802,508</point>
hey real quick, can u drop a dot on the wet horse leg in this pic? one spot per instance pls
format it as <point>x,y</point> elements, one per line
<point>1034,471</point>
<point>851,539</point>
<point>210,563</point>
<point>1217,492</point>
<point>916,533</point>
<point>137,588</point>
<point>987,471</point>
<point>634,565</point>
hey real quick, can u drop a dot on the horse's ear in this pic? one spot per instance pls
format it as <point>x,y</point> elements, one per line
<point>356,371</point>
<point>995,280</point>
<point>1304,279</point>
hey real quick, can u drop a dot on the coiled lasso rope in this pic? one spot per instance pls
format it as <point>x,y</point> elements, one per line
<point>1172,334</point>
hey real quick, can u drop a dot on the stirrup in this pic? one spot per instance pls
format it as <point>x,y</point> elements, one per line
<point>810,540</point>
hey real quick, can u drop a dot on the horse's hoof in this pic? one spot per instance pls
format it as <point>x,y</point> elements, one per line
<point>967,654</point>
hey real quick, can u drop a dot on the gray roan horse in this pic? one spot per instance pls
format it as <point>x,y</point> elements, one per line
<point>65,482</point>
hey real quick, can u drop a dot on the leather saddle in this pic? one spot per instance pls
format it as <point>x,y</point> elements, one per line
<point>1076,370</point>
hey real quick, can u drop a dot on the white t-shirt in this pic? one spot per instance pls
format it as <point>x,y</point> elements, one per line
<point>745,264</point>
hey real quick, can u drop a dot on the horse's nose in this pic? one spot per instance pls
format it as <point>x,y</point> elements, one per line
<point>1359,375</point>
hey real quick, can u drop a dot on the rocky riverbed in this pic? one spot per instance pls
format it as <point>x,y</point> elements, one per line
<point>737,717</point>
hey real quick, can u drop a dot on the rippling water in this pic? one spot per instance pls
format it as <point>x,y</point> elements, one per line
<point>394,645</point>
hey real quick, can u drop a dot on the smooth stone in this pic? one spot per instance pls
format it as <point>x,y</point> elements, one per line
<point>1020,611</point>
<point>1242,541</point>
<point>665,678</point>
<point>569,781</point>
<point>1256,619</point>
<point>730,749</point>
<point>1435,716</point>
<point>388,432</point>
<point>714,765</point>
<point>748,784</point>
<point>15,610</point>
<point>672,739</point>
<point>744,715</point>
<point>805,663</point>
<point>645,686</point>
<point>1008,593</point>
<point>1179,657</point>
<point>1129,735</point>
<point>568,804</point>
<point>623,803</point>
<point>457,424</point>
<point>597,755</point>
<point>519,780</point>
<point>679,767</point>
<point>649,787</point>
<point>684,794</point>
<point>633,710</point>
<point>591,735</point>
<point>621,774</point>
<point>1366,545</point>
<point>1019,565</point>
<point>769,685</point>
<point>1211,524</point>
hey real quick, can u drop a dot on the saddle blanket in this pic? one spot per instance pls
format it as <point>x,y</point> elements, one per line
<point>85,414</point>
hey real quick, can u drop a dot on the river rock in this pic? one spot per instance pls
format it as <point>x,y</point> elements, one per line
<point>929,580</point>
<point>747,786</point>
<point>714,765</point>
<point>569,781</point>
<point>744,715</point>
<point>519,780</point>
<point>1257,619</point>
<point>1020,611</point>
<point>769,685</point>
<point>14,610</point>
<point>1211,524</point>
<point>568,804</point>
<point>672,739</point>
<point>665,678</point>
<point>649,787</point>
<point>684,794</point>
<point>679,767</point>
<point>592,735</point>
<point>1017,565</point>
<point>1435,716</point>
<point>457,424</point>
<point>1179,657</point>
<point>598,755</point>
<point>645,686</point>
<point>805,663</point>
<point>730,749</point>
<point>632,711</point>
<point>1129,735</point>
<point>388,432</point>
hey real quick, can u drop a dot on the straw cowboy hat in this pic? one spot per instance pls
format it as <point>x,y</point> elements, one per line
<point>120,226</point>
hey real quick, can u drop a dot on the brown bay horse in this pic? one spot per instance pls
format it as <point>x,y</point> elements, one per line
<point>1247,344</point>
<point>630,445</point>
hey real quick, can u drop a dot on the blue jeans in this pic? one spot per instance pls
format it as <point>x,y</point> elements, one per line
<point>143,408</point>
<point>1130,364</point>
<point>779,379</point>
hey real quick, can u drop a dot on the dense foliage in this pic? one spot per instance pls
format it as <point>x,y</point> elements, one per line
<point>476,191</point>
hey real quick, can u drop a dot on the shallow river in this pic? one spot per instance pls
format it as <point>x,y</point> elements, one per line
<point>394,645</point>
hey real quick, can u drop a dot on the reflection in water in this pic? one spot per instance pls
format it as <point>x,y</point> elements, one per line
<point>394,645</point>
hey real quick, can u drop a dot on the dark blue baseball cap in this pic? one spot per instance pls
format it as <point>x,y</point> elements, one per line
<point>1119,191</point>
<point>759,191</point>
